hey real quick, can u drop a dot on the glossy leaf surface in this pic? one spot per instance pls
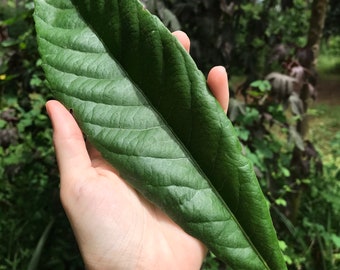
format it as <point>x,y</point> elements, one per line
<point>143,103</point>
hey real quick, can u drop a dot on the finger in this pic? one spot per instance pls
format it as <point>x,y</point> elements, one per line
<point>96,157</point>
<point>97,160</point>
<point>218,83</point>
<point>71,152</point>
<point>93,152</point>
<point>183,39</point>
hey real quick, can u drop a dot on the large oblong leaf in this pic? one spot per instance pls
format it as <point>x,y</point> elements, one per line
<point>143,103</point>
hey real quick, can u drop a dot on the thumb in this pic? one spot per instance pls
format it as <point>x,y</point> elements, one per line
<point>70,147</point>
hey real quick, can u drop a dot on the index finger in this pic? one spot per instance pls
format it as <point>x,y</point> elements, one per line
<point>70,147</point>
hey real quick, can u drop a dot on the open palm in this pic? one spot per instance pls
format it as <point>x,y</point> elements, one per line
<point>115,227</point>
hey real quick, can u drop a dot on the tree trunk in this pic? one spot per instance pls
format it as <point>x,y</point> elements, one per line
<point>316,25</point>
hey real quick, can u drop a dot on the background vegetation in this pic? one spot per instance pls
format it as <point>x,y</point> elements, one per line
<point>267,49</point>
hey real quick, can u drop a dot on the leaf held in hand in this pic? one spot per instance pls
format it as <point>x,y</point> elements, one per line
<point>145,106</point>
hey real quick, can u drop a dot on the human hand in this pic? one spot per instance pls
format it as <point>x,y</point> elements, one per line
<point>115,227</point>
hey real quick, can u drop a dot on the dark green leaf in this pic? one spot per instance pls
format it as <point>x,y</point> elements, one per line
<point>143,103</point>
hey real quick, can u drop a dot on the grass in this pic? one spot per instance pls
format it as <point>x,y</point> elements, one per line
<point>324,124</point>
<point>329,58</point>
<point>324,129</point>
<point>329,64</point>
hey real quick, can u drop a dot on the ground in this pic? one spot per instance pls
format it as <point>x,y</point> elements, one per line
<point>324,114</point>
<point>329,90</point>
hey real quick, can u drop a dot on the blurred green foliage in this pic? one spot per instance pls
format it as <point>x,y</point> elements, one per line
<point>329,60</point>
<point>29,192</point>
<point>250,38</point>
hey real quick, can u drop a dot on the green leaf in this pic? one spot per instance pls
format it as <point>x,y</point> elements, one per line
<point>263,86</point>
<point>145,106</point>
<point>295,137</point>
<point>236,108</point>
<point>296,104</point>
<point>34,262</point>
<point>336,240</point>
<point>3,124</point>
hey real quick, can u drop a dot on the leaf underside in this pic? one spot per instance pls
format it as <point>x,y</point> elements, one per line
<point>142,102</point>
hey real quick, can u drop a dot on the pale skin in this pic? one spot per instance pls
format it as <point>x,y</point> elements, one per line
<point>115,227</point>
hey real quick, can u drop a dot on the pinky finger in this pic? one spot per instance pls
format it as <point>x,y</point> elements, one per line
<point>219,86</point>
<point>183,39</point>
